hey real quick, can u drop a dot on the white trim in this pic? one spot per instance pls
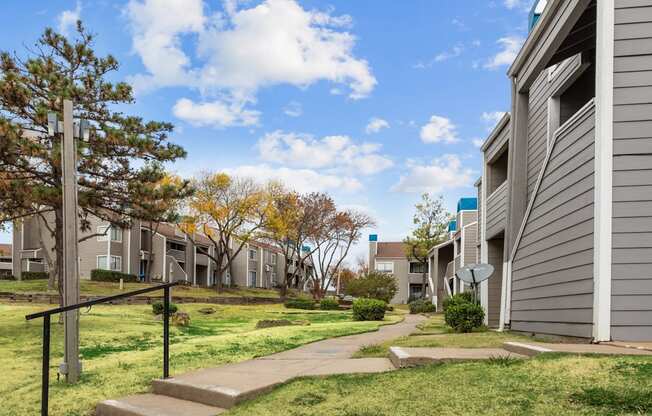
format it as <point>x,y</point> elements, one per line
<point>261,268</point>
<point>194,261</point>
<point>383,261</point>
<point>164,256</point>
<point>602,234</point>
<point>246,267</point>
<point>484,248</point>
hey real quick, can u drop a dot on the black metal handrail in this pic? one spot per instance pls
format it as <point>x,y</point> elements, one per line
<point>46,331</point>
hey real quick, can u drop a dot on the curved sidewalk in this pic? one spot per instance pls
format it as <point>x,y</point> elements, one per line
<point>211,391</point>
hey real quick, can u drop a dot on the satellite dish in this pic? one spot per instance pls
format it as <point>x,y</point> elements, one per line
<point>475,273</point>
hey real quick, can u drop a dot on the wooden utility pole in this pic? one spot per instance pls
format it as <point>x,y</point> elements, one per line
<point>72,365</point>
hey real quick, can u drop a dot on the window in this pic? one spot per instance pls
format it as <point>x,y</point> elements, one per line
<point>273,278</point>
<point>252,279</point>
<point>116,233</point>
<point>385,266</point>
<point>252,254</point>
<point>116,263</point>
<point>418,267</point>
<point>176,246</point>
<point>416,291</point>
<point>273,258</point>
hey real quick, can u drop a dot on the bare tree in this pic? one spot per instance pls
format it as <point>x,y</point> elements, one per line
<point>343,229</point>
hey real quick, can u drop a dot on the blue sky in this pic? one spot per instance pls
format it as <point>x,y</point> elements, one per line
<point>373,101</point>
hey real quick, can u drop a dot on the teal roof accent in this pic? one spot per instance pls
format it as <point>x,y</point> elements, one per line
<point>452,226</point>
<point>373,237</point>
<point>467,204</point>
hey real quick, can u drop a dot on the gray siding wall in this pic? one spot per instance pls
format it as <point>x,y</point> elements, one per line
<point>496,211</point>
<point>470,243</point>
<point>631,316</point>
<point>542,89</point>
<point>499,142</point>
<point>495,258</point>
<point>552,271</point>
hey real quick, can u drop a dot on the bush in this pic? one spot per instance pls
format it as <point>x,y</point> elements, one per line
<point>300,303</point>
<point>422,306</point>
<point>464,297</point>
<point>101,275</point>
<point>7,277</point>
<point>369,309</point>
<point>464,316</point>
<point>373,285</point>
<point>329,304</point>
<point>157,308</point>
<point>34,276</point>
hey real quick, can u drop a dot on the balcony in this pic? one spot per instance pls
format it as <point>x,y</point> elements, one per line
<point>496,211</point>
<point>201,259</point>
<point>178,255</point>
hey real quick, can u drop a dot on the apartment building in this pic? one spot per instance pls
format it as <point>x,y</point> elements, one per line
<point>5,260</point>
<point>459,250</point>
<point>566,192</point>
<point>168,252</point>
<point>390,257</point>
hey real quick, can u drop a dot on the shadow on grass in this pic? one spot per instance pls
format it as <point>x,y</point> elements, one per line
<point>615,400</point>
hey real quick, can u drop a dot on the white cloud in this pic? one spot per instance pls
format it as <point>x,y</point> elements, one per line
<point>293,109</point>
<point>302,150</point>
<point>453,53</point>
<point>477,142</point>
<point>523,5</point>
<point>492,118</point>
<point>301,180</point>
<point>242,50</point>
<point>67,20</point>
<point>439,129</point>
<point>510,46</point>
<point>443,173</point>
<point>214,113</point>
<point>375,125</point>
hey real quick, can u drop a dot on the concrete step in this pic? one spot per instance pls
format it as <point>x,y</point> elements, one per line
<point>529,350</point>
<point>154,405</point>
<point>403,357</point>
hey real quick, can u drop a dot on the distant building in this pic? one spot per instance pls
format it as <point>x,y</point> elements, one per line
<point>5,260</point>
<point>390,257</point>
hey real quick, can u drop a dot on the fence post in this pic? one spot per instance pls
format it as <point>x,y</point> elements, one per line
<point>166,333</point>
<point>45,382</point>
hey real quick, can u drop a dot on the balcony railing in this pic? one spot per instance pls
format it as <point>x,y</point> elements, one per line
<point>496,211</point>
<point>178,255</point>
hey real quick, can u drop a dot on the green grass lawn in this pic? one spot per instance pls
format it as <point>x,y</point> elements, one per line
<point>121,349</point>
<point>435,334</point>
<point>547,385</point>
<point>106,288</point>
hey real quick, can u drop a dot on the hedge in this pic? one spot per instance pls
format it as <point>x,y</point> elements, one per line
<point>33,276</point>
<point>369,309</point>
<point>300,303</point>
<point>329,304</point>
<point>157,308</point>
<point>464,297</point>
<point>422,306</point>
<point>101,275</point>
<point>464,316</point>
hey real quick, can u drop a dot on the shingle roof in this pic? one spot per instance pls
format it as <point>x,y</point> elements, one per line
<point>391,250</point>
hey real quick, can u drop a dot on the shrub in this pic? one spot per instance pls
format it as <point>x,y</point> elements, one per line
<point>101,275</point>
<point>7,277</point>
<point>300,303</point>
<point>373,285</point>
<point>422,306</point>
<point>369,309</point>
<point>464,297</point>
<point>33,276</point>
<point>157,308</point>
<point>464,316</point>
<point>329,304</point>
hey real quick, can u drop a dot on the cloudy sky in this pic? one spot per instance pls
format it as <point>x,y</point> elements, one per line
<point>373,101</point>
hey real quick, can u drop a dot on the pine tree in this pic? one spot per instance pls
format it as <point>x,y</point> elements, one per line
<point>117,167</point>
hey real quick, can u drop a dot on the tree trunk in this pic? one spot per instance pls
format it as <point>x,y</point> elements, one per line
<point>424,284</point>
<point>150,259</point>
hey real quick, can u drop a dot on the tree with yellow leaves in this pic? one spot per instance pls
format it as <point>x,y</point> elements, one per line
<point>230,212</point>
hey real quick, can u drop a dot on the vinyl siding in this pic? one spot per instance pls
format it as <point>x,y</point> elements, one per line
<point>542,89</point>
<point>552,271</point>
<point>496,211</point>
<point>498,143</point>
<point>495,258</point>
<point>631,315</point>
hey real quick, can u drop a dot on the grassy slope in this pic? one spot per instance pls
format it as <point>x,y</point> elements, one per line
<point>106,288</point>
<point>549,385</point>
<point>121,349</point>
<point>434,333</point>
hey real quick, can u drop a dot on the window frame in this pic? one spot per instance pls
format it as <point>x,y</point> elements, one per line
<point>419,264</point>
<point>378,263</point>
<point>253,254</point>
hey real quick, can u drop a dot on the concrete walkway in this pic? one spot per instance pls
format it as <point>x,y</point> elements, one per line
<point>210,391</point>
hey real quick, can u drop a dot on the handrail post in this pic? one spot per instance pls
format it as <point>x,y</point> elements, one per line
<point>45,382</point>
<point>166,333</point>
